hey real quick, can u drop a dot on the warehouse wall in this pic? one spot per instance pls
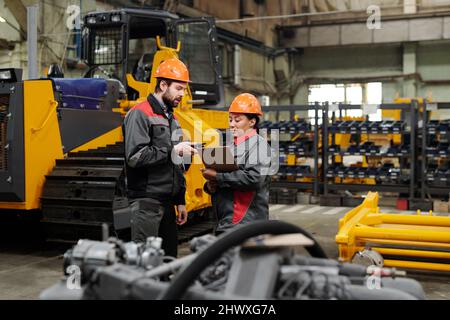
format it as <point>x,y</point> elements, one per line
<point>342,5</point>
<point>392,64</point>
<point>433,63</point>
<point>256,73</point>
<point>283,77</point>
<point>54,36</point>
<point>385,63</point>
<point>257,68</point>
<point>349,64</point>
<point>10,57</point>
<point>260,30</point>
<point>7,32</point>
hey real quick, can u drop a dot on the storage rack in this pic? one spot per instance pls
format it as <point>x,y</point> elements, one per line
<point>435,147</point>
<point>315,154</point>
<point>358,128</point>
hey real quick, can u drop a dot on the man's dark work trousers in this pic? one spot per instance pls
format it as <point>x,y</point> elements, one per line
<point>152,218</point>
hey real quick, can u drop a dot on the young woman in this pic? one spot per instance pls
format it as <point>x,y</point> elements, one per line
<point>242,196</point>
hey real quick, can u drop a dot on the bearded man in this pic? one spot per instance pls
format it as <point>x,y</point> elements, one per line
<point>155,184</point>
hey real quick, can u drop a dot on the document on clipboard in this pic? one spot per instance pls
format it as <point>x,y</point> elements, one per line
<point>220,159</point>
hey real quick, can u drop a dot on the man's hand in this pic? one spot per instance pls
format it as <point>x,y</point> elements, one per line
<point>182,215</point>
<point>209,174</point>
<point>185,148</point>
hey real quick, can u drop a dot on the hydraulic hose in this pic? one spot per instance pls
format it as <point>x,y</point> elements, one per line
<point>229,240</point>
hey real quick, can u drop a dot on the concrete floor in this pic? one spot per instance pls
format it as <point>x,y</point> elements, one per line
<point>29,265</point>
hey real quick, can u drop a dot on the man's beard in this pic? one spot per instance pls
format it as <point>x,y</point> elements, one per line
<point>170,103</point>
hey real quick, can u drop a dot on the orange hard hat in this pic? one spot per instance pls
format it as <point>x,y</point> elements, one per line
<point>173,69</point>
<point>246,103</point>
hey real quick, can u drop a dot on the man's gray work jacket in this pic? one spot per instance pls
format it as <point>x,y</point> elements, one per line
<point>148,146</point>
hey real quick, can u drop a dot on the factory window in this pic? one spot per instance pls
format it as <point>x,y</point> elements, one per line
<point>355,93</point>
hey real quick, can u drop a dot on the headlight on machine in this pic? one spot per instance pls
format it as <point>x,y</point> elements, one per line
<point>116,18</point>
<point>5,75</point>
<point>91,20</point>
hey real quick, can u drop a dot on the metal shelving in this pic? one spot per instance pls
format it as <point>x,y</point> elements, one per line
<point>406,155</point>
<point>435,149</point>
<point>312,129</point>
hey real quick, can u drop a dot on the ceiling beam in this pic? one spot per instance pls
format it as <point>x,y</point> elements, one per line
<point>5,44</point>
<point>19,11</point>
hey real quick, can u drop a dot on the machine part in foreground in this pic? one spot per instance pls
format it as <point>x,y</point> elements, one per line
<point>368,257</point>
<point>224,270</point>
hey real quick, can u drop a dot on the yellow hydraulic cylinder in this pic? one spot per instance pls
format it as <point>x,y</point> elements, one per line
<point>406,243</point>
<point>417,265</point>
<point>410,253</point>
<point>407,240</point>
<point>403,234</point>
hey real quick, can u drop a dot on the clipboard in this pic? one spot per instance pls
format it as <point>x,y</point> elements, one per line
<point>220,159</point>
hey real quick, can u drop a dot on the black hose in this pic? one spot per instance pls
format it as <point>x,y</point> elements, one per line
<point>229,240</point>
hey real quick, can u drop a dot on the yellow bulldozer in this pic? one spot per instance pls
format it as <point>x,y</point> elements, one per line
<point>61,143</point>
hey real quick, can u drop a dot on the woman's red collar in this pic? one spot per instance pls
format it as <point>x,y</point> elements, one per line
<point>239,140</point>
